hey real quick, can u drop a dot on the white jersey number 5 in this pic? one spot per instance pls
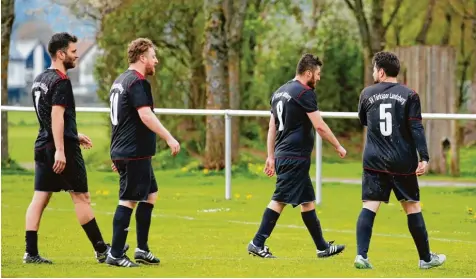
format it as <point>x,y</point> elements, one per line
<point>385,120</point>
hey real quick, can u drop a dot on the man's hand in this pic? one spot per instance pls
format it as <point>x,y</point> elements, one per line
<point>85,141</point>
<point>422,168</point>
<point>60,162</point>
<point>269,167</point>
<point>341,151</point>
<point>174,145</point>
<point>113,167</point>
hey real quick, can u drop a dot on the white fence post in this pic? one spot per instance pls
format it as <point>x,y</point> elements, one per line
<point>227,155</point>
<point>318,169</point>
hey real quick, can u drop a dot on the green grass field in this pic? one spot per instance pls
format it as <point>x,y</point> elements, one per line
<point>197,233</point>
<point>194,243</point>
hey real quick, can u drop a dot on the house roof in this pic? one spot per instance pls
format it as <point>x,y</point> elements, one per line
<point>22,48</point>
<point>14,53</point>
<point>83,46</point>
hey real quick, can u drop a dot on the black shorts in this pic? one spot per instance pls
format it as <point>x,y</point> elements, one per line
<point>376,186</point>
<point>293,184</point>
<point>72,179</point>
<point>137,179</point>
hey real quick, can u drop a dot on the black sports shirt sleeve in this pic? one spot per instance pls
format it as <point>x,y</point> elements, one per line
<point>416,127</point>
<point>308,101</point>
<point>59,96</point>
<point>362,111</point>
<point>139,96</point>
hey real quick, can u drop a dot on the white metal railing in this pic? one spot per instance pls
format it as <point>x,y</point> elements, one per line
<point>228,114</point>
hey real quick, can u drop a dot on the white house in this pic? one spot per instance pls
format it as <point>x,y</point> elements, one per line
<point>27,59</point>
<point>82,76</point>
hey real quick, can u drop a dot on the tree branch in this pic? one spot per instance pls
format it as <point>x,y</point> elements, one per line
<point>350,5</point>
<point>421,38</point>
<point>398,5</point>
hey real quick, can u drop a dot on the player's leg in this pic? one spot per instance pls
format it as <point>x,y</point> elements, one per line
<point>143,219</point>
<point>87,220</point>
<point>270,217</point>
<point>130,174</point>
<point>408,193</point>
<point>33,217</point>
<point>76,181</point>
<point>46,182</point>
<point>120,223</point>
<point>376,188</point>
<point>365,224</point>
<point>309,217</point>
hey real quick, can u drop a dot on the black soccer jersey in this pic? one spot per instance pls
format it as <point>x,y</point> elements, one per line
<point>294,131</point>
<point>392,113</point>
<point>53,88</point>
<point>130,137</point>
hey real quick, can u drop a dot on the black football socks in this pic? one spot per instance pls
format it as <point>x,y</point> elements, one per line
<point>94,234</point>
<point>417,228</point>
<point>314,227</point>
<point>365,224</point>
<point>270,217</point>
<point>121,221</point>
<point>143,218</point>
<point>31,239</point>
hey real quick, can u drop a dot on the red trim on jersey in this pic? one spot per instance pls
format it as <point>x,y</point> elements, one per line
<point>414,118</point>
<point>392,173</point>
<point>65,106</point>
<point>305,85</point>
<point>63,76</point>
<point>132,159</point>
<point>302,93</point>
<point>139,75</point>
<point>291,157</point>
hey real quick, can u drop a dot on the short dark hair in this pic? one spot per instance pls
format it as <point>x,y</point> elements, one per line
<point>60,41</point>
<point>308,62</point>
<point>388,62</point>
<point>138,47</point>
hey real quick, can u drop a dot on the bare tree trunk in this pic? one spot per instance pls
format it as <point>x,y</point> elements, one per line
<point>372,34</point>
<point>8,17</point>
<point>235,13</point>
<point>445,40</point>
<point>397,29</point>
<point>199,94</point>
<point>215,59</point>
<point>470,129</point>
<point>421,38</point>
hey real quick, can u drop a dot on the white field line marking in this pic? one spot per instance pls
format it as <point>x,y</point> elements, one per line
<point>279,225</point>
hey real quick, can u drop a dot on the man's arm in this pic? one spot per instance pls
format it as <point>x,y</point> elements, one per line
<point>57,126</point>
<point>416,127</point>
<point>142,101</point>
<point>269,168</point>
<point>361,110</point>
<point>308,101</point>
<point>271,137</point>
<point>322,128</point>
<point>59,102</point>
<point>149,119</point>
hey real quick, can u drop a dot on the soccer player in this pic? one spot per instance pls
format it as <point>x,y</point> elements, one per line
<point>59,164</point>
<point>133,143</point>
<point>392,113</point>
<point>294,117</point>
